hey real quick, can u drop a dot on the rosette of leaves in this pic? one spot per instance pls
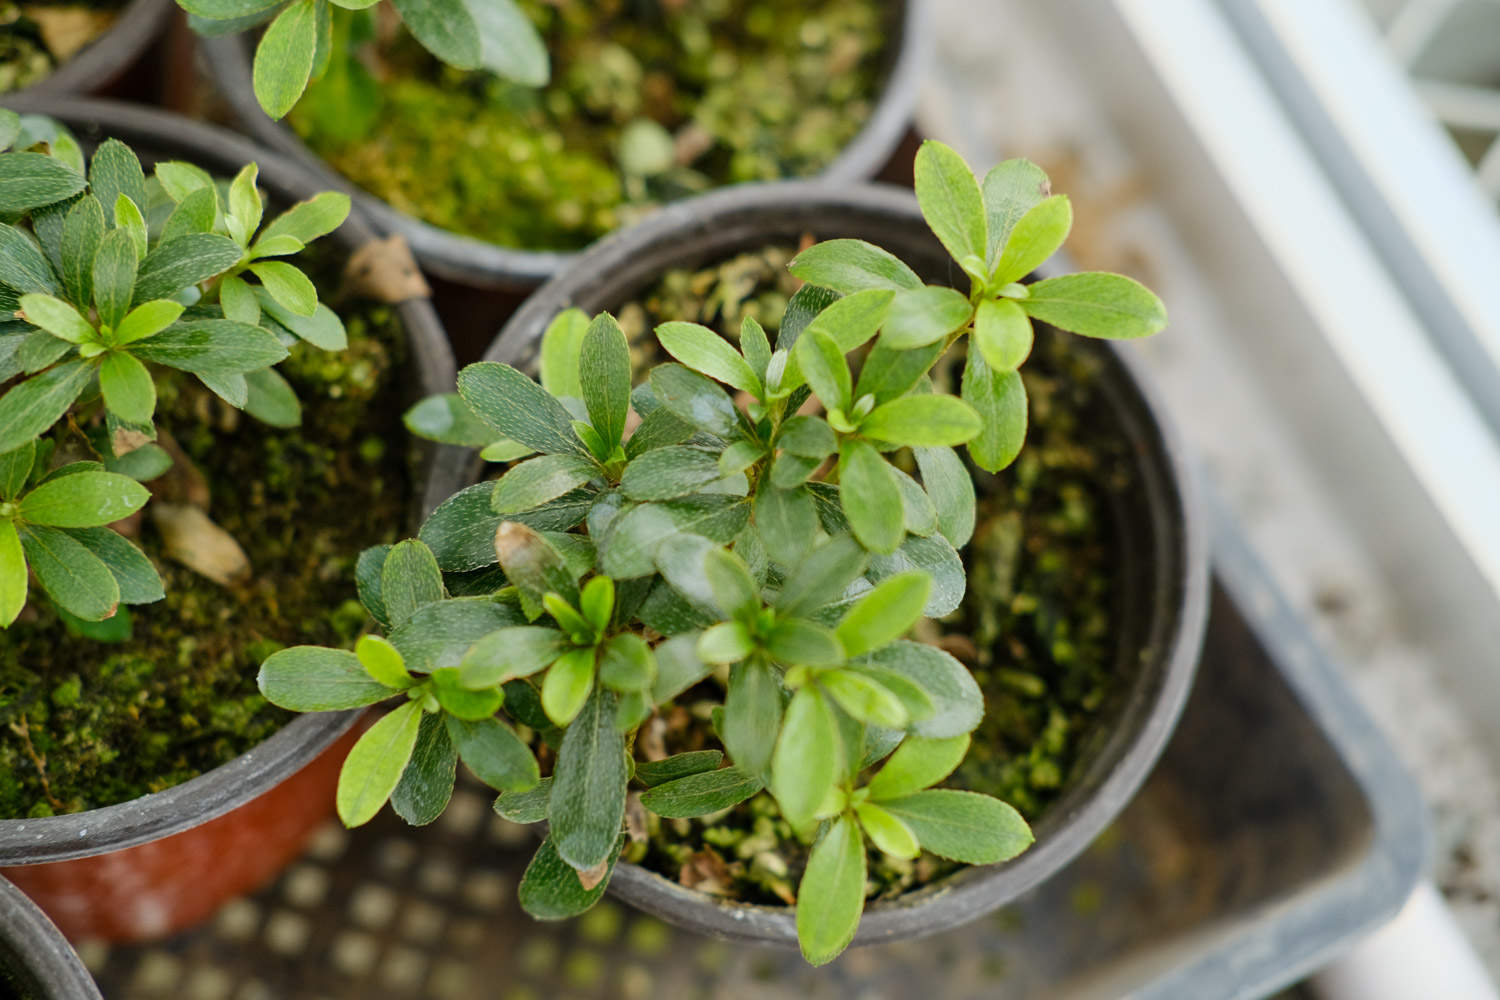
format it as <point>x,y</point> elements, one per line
<point>105,276</point>
<point>741,518</point>
<point>300,38</point>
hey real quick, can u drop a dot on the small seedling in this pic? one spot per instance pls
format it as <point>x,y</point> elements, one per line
<point>751,529</point>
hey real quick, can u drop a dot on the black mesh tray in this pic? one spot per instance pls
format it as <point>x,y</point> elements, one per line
<point>1277,827</point>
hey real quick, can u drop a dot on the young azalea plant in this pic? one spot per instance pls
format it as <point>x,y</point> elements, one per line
<point>107,277</point>
<point>301,36</point>
<point>742,518</point>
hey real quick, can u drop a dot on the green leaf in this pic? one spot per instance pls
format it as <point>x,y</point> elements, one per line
<point>31,180</point>
<point>196,213</point>
<point>550,889</point>
<point>957,699</point>
<point>1036,236</point>
<point>798,642</point>
<point>588,788</point>
<point>115,276</point>
<point>438,635</point>
<point>926,420</point>
<point>807,436</point>
<point>703,350</point>
<point>534,565</point>
<point>23,267</point>
<point>461,702</point>
<point>426,784</point>
<point>180,262</point>
<point>15,470</point>
<point>870,497</point>
<point>288,286</point>
<point>802,308</point>
<point>74,577</point>
<point>752,716</point>
<point>446,28</point>
<point>533,483</point>
<point>1000,400</point>
<point>84,500</point>
<point>14,577</point>
<point>695,399</point>
<point>701,794</point>
<point>630,545</point>
<point>568,684</point>
<point>238,300</point>
<point>885,613</point>
<point>129,218</point>
<point>887,832</point>
<point>669,473</point>
<point>31,407</point>
<point>383,662</point>
<point>659,772</point>
<point>951,201</point>
<point>509,44</point>
<point>307,220</point>
<point>284,58</point>
<point>808,760</point>
<point>245,204</point>
<point>824,367</point>
<point>147,320</point>
<point>10,128</point>
<point>1010,189</point>
<point>864,698</point>
<point>270,399</point>
<point>917,764</point>
<point>57,318</point>
<point>917,511</point>
<point>604,374</point>
<point>136,577</point>
<point>626,663</point>
<point>963,826</point>
<point>1097,304</point>
<point>323,329</point>
<point>947,481</point>
<point>923,316</point>
<point>677,667</point>
<point>519,651</point>
<point>727,642</point>
<point>83,228</point>
<point>519,408</point>
<point>850,266</point>
<point>1003,334</point>
<point>528,806</point>
<point>115,171</point>
<point>755,346</point>
<point>179,179</point>
<point>496,755</point>
<point>562,346</point>
<point>215,347</point>
<point>315,679</point>
<point>831,896</point>
<point>409,581</point>
<point>447,419</point>
<point>128,389</point>
<point>787,521</point>
<point>822,577</point>
<point>375,764</point>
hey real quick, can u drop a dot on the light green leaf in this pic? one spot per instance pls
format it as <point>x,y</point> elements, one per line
<point>824,367</point>
<point>128,390</point>
<point>288,286</point>
<point>1010,189</point>
<point>822,577</point>
<point>14,577</point>
<point>244,200</point>
<point>15,470</point>
<point>807,436</point>
<point>587,805</point>
<point>270,399</point>
<point>850,266</point>
<point>1036,236</point>
<point>375,764</point>
<point>1003,334</point>
<point>129,218</point>
<point>323,329</point>
<point>926,420</point>
<point>831,896</point>
<point>84,500</point>
<point>1000,400</point>
<point>74,577</point>
<point>604,376</point>
<point>446,28</point>
<point>310,219</point>
<point>147,319</point>
<point>885,613</point>
<point>947,481</point>
<point>508,43</point>
<point>808,760</point>
<point>951,201</point>
<point>284,59</point>
<point>115,265</point>
<point>658,772</point>
<point>315,679</point>
<point>864,698</point>
<point>57,318</point>
<point>536,481</point>
<point>703,350</point>
<point>562,346</point>
<point>519,651</point>
<point>447,419</point>
<point>870,497</point>
<point>917,764</point>
<point>963,826</point>
<point>958,701</point>
<point>627,664</point>
<point>923,316</point>
<point>383,662</point>
<point>629,547</point>
<point>887,832</point>
<point>798,642</point>
<point>567,686</point>
<point>726,642</point>
<point>1097,304</point>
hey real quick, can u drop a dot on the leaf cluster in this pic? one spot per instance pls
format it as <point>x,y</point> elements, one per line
<point>301,38</point>
<point>742,517</point>
<point>106,275</point>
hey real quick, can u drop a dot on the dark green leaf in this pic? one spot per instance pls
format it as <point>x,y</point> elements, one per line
<point>888,373</point>
<point>86,500</point>
<point>518,408</point>
<point>587,804</point>
<point>438,635</point>
<point>15,469</point>
<point>752,716</point>
<point>870,496</point>
<point>678,666</point>
<point>447,419</point>
<point>410,580</point>
<point>787,522</point>
<point>82,230</point>
<point>533,483</point>
<point>31,407</point>
<point>22,264</point>
<point>185,260</point>
<point>496,755</point>
<point>550,889</point>
<point>368,574</point>
<point>535,567</point>
<point>703,350</point>
<point>446,28</point>
<point>271,399</point>
<point>528,806</point>
<point>822,576</point>
<point>807,436</point>
<point>427,783</point>
<point>806,303</point>
<point>933,556</point>
<point>701,794</point>
<point>31,180</point>
<point>284,58</point>
<point>211,347</point>
<point>947,481</point>
<point>695,399</point>
<point>659,772</point>
<point>629,548</point>
<point>604,376</point>
<point>669,473</point>
<point>74,577</point>
<point>658,429</point>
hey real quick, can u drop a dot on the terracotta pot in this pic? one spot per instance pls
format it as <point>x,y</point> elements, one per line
<point>161,862</point>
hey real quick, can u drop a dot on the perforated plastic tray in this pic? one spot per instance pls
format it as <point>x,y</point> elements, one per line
<point>1277,827</point>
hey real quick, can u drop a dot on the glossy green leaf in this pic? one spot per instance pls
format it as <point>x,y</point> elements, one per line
<point>375,764</point>
<point>446,28</point>
<point>15,470</point>
<point>831,896</point>
<point>447,419</point>
<point>947,481</point>
<point>629,548</point>
<point>822,576</point>
<point>135,574</point>
<point>787,522</point>
<point>180,262</point>
<point>669,473</point>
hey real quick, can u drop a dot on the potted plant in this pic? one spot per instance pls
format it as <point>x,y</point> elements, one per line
<point>36,962</point>
<point>177,348</point>
<point>745,529</point>
<point>57,49</point>
<point>647,102</point>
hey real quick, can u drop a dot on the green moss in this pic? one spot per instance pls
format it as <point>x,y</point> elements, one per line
<point>650,100</point>
<point>108,723</point>
<point>1036,628</point>
<point>25,57</point>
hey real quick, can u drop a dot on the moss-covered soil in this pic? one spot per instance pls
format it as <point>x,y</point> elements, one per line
<point>85,724</point>
<point>1036,626</point>
<point>650,100</point>
<point>37,37</point>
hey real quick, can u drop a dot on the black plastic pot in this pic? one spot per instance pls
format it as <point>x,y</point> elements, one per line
<point>107,57</point>
<point>487,265</point>
<point>1163,549</point>
<point>241,782</point>
<point>36,962</point>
